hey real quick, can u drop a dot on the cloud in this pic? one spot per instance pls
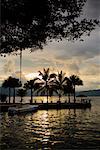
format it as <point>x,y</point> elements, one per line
<point>9,66</point>
<point>92,9</point>
<point>90,69</point>
<point>81,58</point>
<point>72,69</point>
<point>2,78</point>
<point>17,75</point>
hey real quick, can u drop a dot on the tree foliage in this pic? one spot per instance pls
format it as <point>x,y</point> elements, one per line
<point>32,85</point>
<point>11,82</point>
<point>59,83</point>
<point>21,92</point>
<point>30,24</point>
<point>75,80</point>
<point>46,82</point>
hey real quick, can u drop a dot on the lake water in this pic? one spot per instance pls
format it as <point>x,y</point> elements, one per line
<point>52,129</point>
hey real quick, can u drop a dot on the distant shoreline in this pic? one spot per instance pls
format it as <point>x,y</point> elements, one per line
<point>87,93</point>
<point>55,96</point>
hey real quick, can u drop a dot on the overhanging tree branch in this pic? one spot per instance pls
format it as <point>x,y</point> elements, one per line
<point>29,24</point>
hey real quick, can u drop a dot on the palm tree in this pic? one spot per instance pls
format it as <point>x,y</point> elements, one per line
<point>45,81</point>
<point>31,85</point>
<point>11,83</point>
<point>21,92</point>
<point>59,83</point>
<point>75,81</point>
<point>15,83</point>
<point>6,84</point>
<point>68,88</point>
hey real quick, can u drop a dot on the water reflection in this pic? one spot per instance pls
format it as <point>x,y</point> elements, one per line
<point>52,129</point>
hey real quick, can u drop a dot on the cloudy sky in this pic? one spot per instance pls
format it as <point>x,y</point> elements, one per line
<point>80,58</point>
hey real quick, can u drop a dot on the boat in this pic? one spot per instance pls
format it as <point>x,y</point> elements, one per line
<point>22,109</point>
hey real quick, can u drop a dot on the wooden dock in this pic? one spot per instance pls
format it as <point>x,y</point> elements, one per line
<point>64,105</point>
<point>46,106</point>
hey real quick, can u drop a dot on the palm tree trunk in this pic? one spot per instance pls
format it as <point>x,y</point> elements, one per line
<point>68,97</point>
<point>47,95</point>
<point>47,90</point>
<point>31,96</point>
<point>59,98</point>
<point>9,94</point>
<point>14,96</point>
<point>74,95</point>
<point>21,99</point>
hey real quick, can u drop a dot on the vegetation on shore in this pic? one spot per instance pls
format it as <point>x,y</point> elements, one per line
<point>11,83</point>
<point>46,85</point>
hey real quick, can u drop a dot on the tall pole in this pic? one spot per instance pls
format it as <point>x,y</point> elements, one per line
<point>20,64</point>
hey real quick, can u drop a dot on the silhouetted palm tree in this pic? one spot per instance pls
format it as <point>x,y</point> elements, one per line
<point>31,85</point>
<point>45,81</point>
<point>11,83</point>
<point>68,88</point>
<point>75,81</point>
<point>15,83</point>
<point>21,92</point>
<point>59,83</point>
<point>7,84</point>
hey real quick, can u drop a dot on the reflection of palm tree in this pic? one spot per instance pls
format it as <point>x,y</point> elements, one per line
<point>75,81</point>
<point>59,84</point>
<point>31,85</point>
<point>21,93</point>
<point>45,81</point>
<point>11,83</point>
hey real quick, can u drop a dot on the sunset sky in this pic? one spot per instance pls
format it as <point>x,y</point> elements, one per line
<point>80,58</point>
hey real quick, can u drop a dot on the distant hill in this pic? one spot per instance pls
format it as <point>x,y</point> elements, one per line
<point>87,93</point>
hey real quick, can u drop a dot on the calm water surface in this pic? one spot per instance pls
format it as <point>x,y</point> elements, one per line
<point>52,129</point>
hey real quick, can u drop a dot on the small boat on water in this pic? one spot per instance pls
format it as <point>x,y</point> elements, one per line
<point>22,109</point>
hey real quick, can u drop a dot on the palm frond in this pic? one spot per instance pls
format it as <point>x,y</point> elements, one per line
<point>53,75</point>
<point>40,73</point>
